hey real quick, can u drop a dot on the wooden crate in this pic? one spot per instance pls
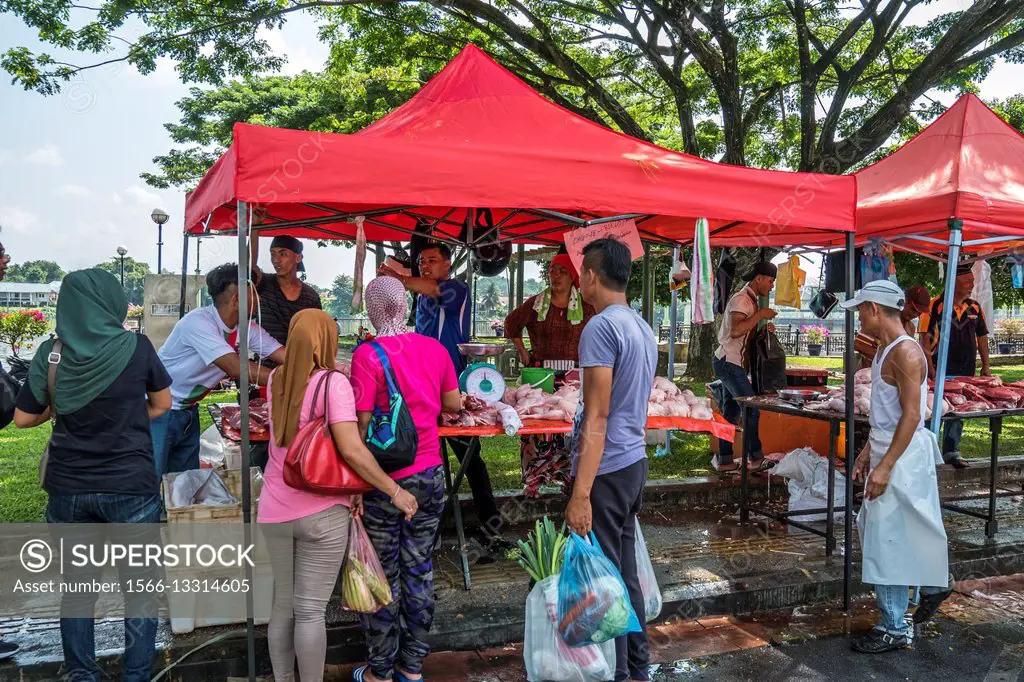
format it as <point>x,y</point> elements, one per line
<point>203,513</point>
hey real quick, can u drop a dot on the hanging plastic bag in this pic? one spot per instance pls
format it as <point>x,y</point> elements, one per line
<point>547,657</point>
<point>364,586</point>
<point>593,604</point>
<point>648,581</point>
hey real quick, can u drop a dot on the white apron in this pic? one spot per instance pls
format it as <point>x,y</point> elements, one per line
<point>902,537</point>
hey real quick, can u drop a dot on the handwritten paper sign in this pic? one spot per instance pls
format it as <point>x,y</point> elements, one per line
<point>622,230</point>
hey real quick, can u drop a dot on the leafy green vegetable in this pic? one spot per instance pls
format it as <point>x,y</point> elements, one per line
<point>542,552</point>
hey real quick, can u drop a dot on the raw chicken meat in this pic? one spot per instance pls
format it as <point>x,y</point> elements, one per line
<point>658,396</point>
<point>862,376</point>
<point>664,384</point>
<point>657,410</point>
<point>701,412</point>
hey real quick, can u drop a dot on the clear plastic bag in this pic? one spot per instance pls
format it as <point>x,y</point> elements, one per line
<point>364,586</point>
<point>593,604</point>
<point>546,656</point>
<point>648,581</point>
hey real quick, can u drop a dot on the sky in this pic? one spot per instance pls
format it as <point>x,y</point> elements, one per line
<point>69,164</point>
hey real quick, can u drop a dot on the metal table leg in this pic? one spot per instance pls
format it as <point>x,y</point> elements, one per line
<point>995,427</point>
<point>453,503</point>
<point>830,522</point>
<point>744,502</point>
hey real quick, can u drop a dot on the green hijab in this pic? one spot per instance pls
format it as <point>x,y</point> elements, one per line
<point>91,310</point>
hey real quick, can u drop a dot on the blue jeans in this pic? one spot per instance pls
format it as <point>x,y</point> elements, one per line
<point>176,441</point>
<point>893,601</point>
<point>737,384</point>
<point>78,633</point>
<point>952,432</point>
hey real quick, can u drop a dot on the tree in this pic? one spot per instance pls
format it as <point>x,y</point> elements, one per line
<point>36,272</point>
<point>134,276</point>
<point>782,84</point>
<point>341,296</point>
<point>531,287</point>
<point>491,299</point>
<point>20,328</point>
<point>340,100</point>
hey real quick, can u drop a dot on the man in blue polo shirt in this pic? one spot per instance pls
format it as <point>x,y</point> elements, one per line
<point>443,312</point>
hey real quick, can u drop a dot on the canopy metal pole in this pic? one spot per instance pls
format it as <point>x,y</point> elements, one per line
<point>647,300</point>
<point>243,394</point>
<point>470,282</point>
<point>851,453</point>
<point>672,317</point>
<point>184,276</point>
<point>521,262</point>
<point>955,238</point>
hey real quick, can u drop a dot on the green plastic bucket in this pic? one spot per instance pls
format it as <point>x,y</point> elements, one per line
<point>538,377</point>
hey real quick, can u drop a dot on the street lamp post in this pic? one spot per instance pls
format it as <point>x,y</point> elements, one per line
<point>122,252</point>
<point>159,217</point>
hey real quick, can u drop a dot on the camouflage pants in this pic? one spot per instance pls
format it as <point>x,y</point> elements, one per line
<point>396,635</point>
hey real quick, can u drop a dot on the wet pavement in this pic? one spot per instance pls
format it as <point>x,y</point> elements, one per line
<point>709,566</point>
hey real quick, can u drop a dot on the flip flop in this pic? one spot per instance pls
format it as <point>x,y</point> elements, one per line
<point>359,674</point>
<point>400,677</point>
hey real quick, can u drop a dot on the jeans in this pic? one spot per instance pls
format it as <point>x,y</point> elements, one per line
<point>737,385</point>
<point>78,632</point>
<point>893,601</point>
<point>951,434</point>
<point>396,636</point>
<point>480,484</point>
<point>617,499</point>
<point>176,440</point>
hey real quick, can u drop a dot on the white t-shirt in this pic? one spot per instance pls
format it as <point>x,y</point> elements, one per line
<point>744,302</point>
<point>197,340</point>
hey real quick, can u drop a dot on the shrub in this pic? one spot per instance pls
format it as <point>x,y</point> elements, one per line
<point>815,334</point>
<point>19,329</point>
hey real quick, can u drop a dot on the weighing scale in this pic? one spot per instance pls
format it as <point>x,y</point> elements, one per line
<point>482,379</point>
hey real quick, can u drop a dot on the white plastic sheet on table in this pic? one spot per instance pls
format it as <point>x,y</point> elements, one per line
<point>547,657</point>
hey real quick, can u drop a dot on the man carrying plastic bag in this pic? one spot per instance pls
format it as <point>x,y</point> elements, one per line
<point>617,354</point>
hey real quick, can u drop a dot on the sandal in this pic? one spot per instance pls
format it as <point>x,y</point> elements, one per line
<point>359,674</point>
<point>400,677</point>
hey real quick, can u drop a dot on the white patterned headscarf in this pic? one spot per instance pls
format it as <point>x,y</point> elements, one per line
<point>387,306</point>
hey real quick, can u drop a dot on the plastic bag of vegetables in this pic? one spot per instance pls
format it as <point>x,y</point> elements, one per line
<point>364,586</point>
<point>547,657</point>
<point>593,604</point>
<point>648,581</point>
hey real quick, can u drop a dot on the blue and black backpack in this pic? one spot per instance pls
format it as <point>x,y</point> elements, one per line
<point>392,436</point>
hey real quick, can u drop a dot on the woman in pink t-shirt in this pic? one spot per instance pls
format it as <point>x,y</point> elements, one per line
<point>307,533</point>
<point>423,370</point>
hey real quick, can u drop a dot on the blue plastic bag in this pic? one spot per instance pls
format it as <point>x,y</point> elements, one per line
<point>593,603</point>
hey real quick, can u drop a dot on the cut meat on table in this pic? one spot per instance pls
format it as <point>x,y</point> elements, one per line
<point>259,419</point>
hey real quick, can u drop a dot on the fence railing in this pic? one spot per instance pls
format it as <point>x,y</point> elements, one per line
<point>789,335</point>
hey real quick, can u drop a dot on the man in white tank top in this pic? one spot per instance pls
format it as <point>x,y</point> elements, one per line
<point>900,522</point>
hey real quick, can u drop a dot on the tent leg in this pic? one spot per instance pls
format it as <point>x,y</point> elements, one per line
<point>851,453</point>
<point>184,276</point>
<point>521,262</point>
<point>647,305</point>
<point>955,238</point>
<point>470,280</point>
<point>673,315</point>
<point>243,391</point>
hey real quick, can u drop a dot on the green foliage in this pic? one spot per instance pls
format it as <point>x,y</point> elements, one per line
<point>20,328</point>
<point>337,101</point>
<point>134,276</point>
<point>35,272</point>
<point>531,287</point>
<point>341,296</point>
<point>490,299</point>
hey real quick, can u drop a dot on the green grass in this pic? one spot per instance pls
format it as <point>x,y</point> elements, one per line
<point>22,500</point>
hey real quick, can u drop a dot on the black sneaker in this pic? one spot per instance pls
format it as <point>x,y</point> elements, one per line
<point>929,605</point>
<point>956,461</point>
<point>878,642</point>
<point>7,649</point>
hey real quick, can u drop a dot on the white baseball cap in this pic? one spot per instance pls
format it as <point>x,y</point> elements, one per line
<point>882,292</point>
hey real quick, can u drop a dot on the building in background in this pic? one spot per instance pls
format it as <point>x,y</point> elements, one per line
<point>27,295</point>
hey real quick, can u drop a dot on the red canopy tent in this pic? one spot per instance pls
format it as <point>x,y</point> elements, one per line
<point>967,165</point>
<point>477,136</point>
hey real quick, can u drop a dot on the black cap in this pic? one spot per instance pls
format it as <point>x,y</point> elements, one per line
<point>963,269</point>
<point>762,268</point>
<point>290,243</point>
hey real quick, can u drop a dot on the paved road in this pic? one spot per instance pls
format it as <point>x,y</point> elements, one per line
<point>954,652</point>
